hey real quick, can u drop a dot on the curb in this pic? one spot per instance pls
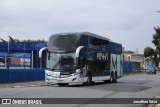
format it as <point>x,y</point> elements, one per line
<point>31,86</point>
<point>24,84</point>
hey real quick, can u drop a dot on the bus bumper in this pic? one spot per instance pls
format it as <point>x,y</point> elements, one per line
<point>73,79</point>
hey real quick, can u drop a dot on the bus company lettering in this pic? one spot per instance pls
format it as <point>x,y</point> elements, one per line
<point>102,56</point>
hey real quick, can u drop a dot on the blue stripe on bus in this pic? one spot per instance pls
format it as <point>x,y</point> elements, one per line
<point>114,63</point>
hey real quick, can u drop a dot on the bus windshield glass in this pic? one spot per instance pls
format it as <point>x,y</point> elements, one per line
<point>61,61</point>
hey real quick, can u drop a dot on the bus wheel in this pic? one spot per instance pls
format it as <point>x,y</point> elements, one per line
<point>115,77</point>
<point>62,84</point>
<point>112,78</point>
<point>89,80</point>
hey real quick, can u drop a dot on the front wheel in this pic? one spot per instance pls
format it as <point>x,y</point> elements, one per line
<point>106,81</point>
<point>89,80</point>
<point>112,78</point>
<point>115,77</point>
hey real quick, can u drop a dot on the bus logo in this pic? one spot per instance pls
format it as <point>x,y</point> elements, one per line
<point>102,56</point>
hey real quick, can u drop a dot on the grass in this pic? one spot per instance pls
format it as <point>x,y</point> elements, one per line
<point>132,73</point>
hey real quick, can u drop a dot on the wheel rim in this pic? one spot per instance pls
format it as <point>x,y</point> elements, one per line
<point>115,78</point>
<point>112,78</point>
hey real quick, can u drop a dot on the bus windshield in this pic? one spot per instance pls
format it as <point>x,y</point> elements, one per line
<point>61,61</point>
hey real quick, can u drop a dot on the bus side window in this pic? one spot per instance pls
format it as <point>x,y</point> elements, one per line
<point>97,41</point>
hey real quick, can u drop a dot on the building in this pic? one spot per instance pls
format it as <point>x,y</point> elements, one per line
<point>136,60</point>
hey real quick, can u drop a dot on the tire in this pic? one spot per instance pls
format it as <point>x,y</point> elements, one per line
<point>115,77</point>
<point>89,80</point>
<point>112,78</point>
<point>105,81</point>
<point>62,84</point>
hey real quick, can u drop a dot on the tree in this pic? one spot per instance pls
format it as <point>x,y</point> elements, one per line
<point>156,38</point>
<point>11,39</point>
<point>2,40</point>
<point>129,52</point>
<point>17,40</point>
<point>156,42</point>
<point>29,40</point>
<point>148,51</point>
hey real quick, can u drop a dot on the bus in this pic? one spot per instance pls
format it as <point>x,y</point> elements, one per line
<point>82,57</point>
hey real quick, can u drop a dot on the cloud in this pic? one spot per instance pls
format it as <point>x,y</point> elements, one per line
<point>41,18</point>
<point>69,14</point>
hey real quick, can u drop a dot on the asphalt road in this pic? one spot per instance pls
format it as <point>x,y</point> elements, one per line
<point>134,86</point>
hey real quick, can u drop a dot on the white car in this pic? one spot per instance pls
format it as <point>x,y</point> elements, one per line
<point>2,64</point>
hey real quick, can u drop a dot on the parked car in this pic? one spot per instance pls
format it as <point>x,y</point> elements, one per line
<point>2,64</point>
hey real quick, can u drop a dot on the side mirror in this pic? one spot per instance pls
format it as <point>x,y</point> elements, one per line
<point>49,56</point>
<point>41,50</point>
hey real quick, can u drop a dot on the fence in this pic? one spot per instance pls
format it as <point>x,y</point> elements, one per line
<point>19,75</point>
<point>129,66</point>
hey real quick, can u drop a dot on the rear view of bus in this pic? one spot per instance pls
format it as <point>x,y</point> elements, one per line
<point>73,58</point>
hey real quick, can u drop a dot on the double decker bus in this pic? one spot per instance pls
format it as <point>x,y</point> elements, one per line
<point>83,57</point>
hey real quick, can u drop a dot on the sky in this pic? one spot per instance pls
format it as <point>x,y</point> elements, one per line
<point>129,22</point>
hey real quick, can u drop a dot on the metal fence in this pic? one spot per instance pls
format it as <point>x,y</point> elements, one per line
<point>21,75</point>
<point>127,66</point>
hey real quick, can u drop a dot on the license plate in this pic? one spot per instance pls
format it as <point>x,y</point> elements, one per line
<point>60,81</point>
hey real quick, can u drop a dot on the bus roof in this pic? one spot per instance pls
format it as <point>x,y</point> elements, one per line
<point>84,33</point>
<point>70,40</point>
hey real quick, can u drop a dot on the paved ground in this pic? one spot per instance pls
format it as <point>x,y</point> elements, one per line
<point>134,86</point>
<point>23,84</point>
